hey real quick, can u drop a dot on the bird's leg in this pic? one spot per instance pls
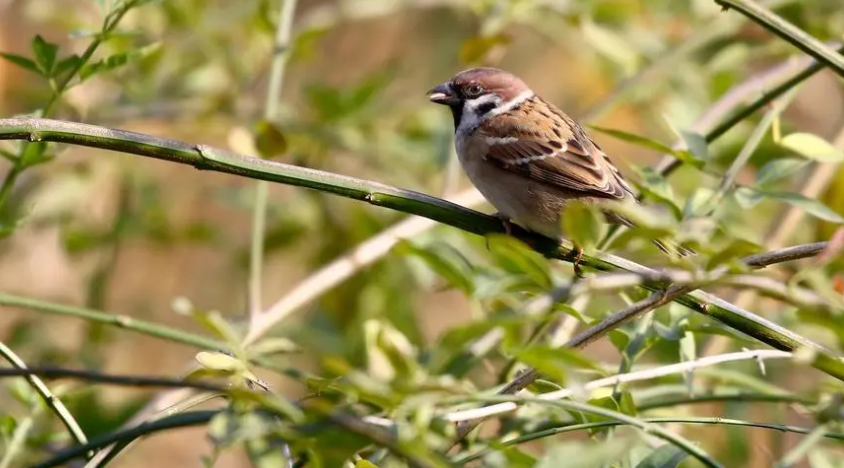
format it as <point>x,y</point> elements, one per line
<point>505,221</point>
<point>577,256</point>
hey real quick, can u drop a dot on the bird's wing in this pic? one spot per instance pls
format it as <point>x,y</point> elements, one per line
<point>538,141</point>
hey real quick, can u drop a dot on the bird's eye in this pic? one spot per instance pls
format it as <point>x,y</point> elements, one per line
<point>473,90</point>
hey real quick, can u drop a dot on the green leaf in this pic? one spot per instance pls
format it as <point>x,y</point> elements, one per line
<point>221,362</point>
<point>667,456</point>
<point>456,354</point>
<point>583,224</point>
<point>696,201</point>
<point>364,463</point>
<point>332,104</point>
<point>778,169</point>
<point>7,228</point>
<point>812,147</point>
<point>34,154</point>
<point>8,423</point>
<point>747,197</point>
<point>605,402</point>
<point>555,362</point>
<point>627,404</point>
<point>267,451</point>
<point>307,43</point>
<point>696,143</point>
<point>8,155</point>
<point>456,270</point>
<point>580,455</point>
<point>736,249</point>
<point>516,257</point>
<point>45,55</point>
<point>273,345</point>
<point>22,62</point>
<point>214,322</point>
<point>809,205</point>
<point>67,64</point>
<point>635,139</point>
<point>22,392</point>
<point>116,61</point>
<point>655,186</point>
<point>269,140</point>
<point>694,156</point>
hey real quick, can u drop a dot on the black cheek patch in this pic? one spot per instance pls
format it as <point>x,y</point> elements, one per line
<point>486,107</point>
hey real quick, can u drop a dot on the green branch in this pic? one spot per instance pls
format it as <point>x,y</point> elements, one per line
<point>120,321</point>
<point>407,201</point>
<point>591,426</point>
<point>110,379</point>
<point>193,418</point>
<point>50,400</point>
<point>782,28</point>
<point>766,98</point>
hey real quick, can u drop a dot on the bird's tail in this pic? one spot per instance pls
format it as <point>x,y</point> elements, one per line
<point>681,250</point>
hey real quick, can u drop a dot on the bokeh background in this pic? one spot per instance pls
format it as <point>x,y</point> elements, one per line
<point>129,235</point>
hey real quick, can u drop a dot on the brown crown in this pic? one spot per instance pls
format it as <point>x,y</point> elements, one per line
<point>504,84</point>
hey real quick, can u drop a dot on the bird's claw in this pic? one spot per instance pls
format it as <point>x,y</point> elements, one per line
<point>577,256</point>
<point>505,221</point>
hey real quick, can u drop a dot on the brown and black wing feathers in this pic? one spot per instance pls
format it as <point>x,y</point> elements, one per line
<point>536,140</point>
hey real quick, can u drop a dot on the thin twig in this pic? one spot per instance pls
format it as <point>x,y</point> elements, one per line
<point>51,401</point>
<point>747,150</point>
<point>613,281</point>
<point>193,418</point>
<point>757,84</point>
<point>565,428</point>
<point>660,432</point>
<point>415,454</point>
<point>662,371</point>
<point>121,321</point>
<point>657,299</point>
<point>781,230</point>
<point>111,379</point>
<point>800,297</point>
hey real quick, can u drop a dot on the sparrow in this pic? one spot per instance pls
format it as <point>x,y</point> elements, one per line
<point>527,157</point>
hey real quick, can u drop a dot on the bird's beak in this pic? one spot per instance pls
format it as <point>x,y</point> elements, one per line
<point>442,94</point>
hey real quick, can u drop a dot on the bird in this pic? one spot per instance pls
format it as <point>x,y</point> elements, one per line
<point>527,157</point>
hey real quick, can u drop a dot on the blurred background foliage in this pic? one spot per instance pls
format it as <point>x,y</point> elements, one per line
<point>129,235</point>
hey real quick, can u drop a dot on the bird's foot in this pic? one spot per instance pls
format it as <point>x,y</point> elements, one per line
<point>505,221</point>
<point>576,258</point>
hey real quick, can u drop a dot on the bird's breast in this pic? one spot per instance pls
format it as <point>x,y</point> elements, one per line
<point>530,204</point>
